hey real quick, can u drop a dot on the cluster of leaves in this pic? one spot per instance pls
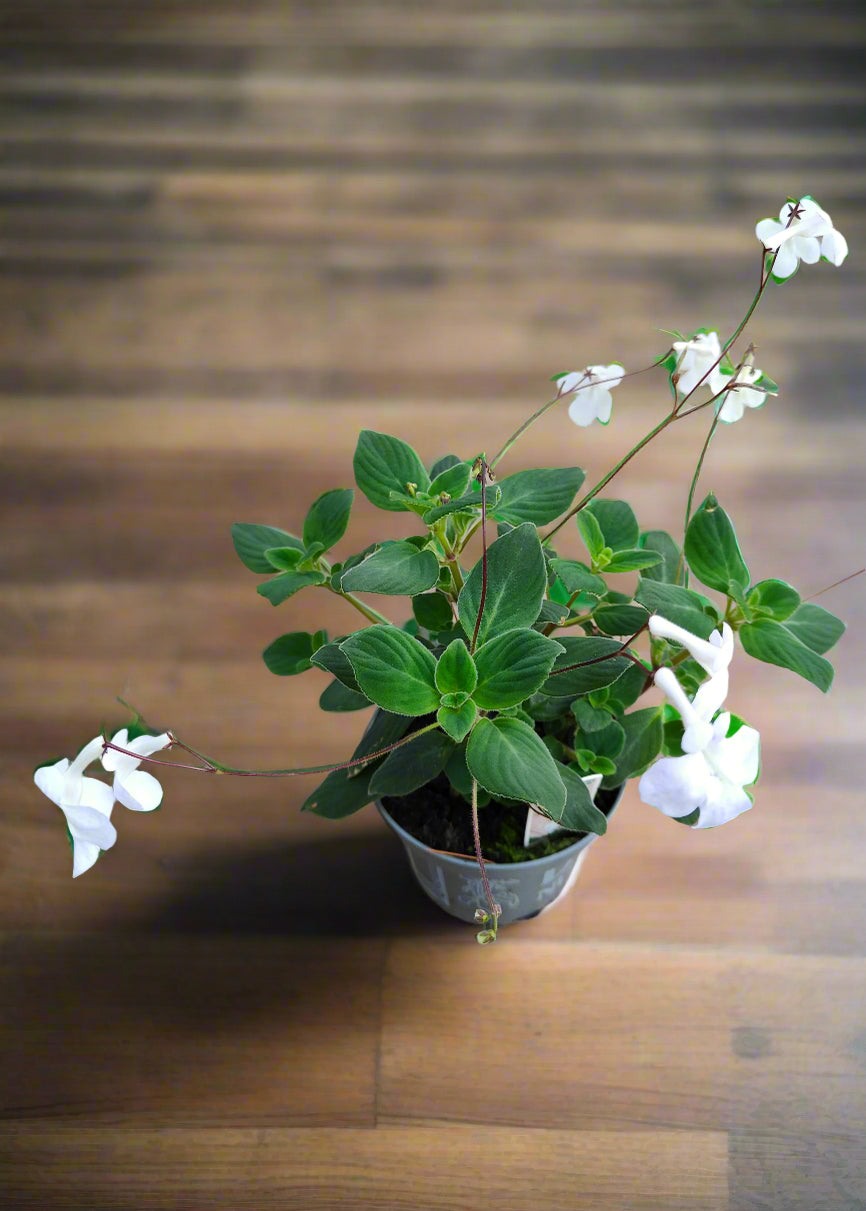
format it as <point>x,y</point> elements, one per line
<point>476,671</point>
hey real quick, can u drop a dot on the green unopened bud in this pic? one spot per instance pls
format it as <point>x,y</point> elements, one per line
<point>484,936</point>
<point>481,916</point>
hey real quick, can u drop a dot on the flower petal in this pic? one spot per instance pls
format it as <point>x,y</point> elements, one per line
<point>97,795</point>
<point>139,791</point>
<point>808,249</point>
<point>834,247</point>
<point>84,855</point>
<point>675,785</point>
<point>724,802</point>
<point>786,262</point>
<point>766,229</point>
<point>739,755</point>
<point>52,779</point>
<point>87,824</point>
<point>583,409</point>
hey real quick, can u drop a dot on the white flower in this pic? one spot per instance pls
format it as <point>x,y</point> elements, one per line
<point>85,802</point>
<point>740,394</point>
<point>591,388</point>
<point>697,362</point>
<point>711,780</point>
<point>713,655</point>
<point>803,232</point>
<point>134,788</point>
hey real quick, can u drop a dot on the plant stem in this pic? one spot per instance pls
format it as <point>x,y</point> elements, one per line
<point>215,767</point>
<point>495,909</point>
<point>369,612</point>
<point>483,553</point>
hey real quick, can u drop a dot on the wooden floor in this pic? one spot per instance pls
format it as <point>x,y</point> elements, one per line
<point>233,233</point>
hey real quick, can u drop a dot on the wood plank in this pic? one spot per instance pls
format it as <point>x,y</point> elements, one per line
<point>166,1030</point>
<point>389,1169</point>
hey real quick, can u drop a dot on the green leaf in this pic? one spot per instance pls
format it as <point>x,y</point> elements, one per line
<point>384,464</point>
<point>396,568</point>
<point>457,721</point>
<point>509,760</point>
<point>455,670</point>
<point>516,583</point>
<point>589,718</point>
<point>590,532</point>
<point>251,541</point>
<point>773,643</point>
<point>643,743</point>
<point>453,480</point>
<point>284,559</point>
<point>330,658</point>
<point>580,815</point>
<point>432,611</point>
<point>286,584</point>
<point>538,496</point>
<point>412,765</point>
<point>631,561</point>
<point>340,795</point>
<point>384,728</point>
<point>328,517</point>
<point>815,626</point>
<point>676,604</point>
<point>393,670</point>
<point>337,697</point>
<point>443,464</point>
<point>712,551</point>
<point>775,597</point>
<point>617,523</point>
<point>607,742</point>
<point>620,619</point>
<point>671,569</point>
<point>578,578</point>
<point>588,676</point>
<point>512,666</point>
<point>471,501</point>
<point>290,654</point>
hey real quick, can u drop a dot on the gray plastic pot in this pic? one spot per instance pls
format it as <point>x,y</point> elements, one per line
<point>522,889</point>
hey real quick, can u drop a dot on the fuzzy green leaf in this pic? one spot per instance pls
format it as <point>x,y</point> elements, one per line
<point>457,721</point>
<point>453,480</point>
<point>251,541</point>
<point>330,658</point>
<point>599,662</point>
<point>577,577</point>
<point>775,597</point>
<point>631,560</point>
<point>643,743</point>
<point>338,697</point>
<point>385,464</point>
<point>538,496</point>
<point>512,666</point>
<point>286,584</point>
<point>678,605</point>
<point>580,815</point>
<point>712,551</point>
<point>393,670</point>
<point>412,765</point>
<point>290,654</point>
<point>773,643</point>
<point>671,569</point>
<point>432,611</point>
<point>455,670</point>
<point>328,517</point>
<point>516,583</point>
<point>590,532</point>
<point>340,795</point>
<point>469,502</point>
<point>396,568</point>
<point>617,523</point>
<point>509,760</point>
<point>815,626</point>
<point>620,619</point>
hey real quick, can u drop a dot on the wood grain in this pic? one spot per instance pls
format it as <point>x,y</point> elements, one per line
<point>232,235</point>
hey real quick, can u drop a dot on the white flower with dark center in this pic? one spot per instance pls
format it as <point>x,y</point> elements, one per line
<point>697,362</point>
<point>803,232</point>
<point>85,802</point>
<point>591,389</point>
<point>134,788</point>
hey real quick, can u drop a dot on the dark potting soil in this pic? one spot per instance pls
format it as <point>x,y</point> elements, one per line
<point>443,820</point>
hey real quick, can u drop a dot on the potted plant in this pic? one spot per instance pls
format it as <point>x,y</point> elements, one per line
<point>517,682</point>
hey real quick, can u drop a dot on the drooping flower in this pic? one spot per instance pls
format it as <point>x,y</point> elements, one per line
<point>134,788</point>
<point>740,394</point>
<point>803,232</point>
<point>591,389</point>
<point>711,780</point>
<point>85,802</point>
<point>713,654</point>
<point>697,362</point>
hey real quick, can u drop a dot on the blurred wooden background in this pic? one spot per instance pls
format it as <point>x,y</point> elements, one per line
<point>232,234</point>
